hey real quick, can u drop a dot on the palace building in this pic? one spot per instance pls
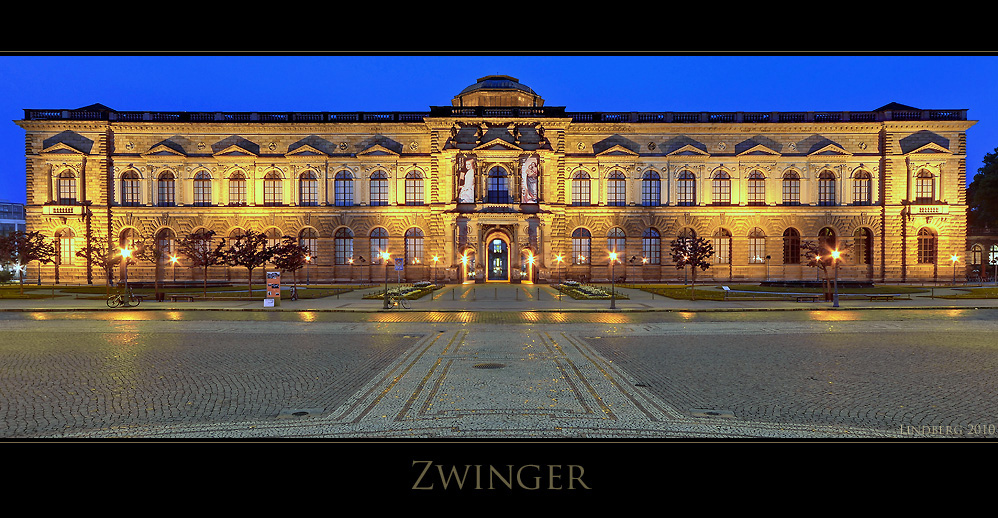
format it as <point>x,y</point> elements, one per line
<point>499,187</point>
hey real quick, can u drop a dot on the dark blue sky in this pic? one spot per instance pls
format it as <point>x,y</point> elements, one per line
<point>414,83</point>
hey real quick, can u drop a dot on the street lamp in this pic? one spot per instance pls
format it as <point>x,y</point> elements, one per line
<point>530,265</point>
<point>686,262</point>
<point>308,261</point>
<point>125,254</point>
<point>835,294</point>
<point>173,260</point>
<point>613,293</point>
<point>385,256</point>
<point>954,258</point>
<point>433,272</point>
<point>559,259</point>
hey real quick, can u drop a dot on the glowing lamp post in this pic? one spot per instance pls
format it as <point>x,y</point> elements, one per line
<point>954,258</point>
<point>559,259</point>
<point>173,261</point>
<point>433,272</point>
<point>125,254</point>
<point>613,293</point>
<point>530,265</point>
<point>308,261</point>
<point>385,256</point>
<point>835,294</point>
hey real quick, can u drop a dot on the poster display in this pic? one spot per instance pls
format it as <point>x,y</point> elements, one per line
<point>273,285</point>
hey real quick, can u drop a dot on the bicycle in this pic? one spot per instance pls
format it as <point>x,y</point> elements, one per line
<point>394,301</point>
<point>123,299</point>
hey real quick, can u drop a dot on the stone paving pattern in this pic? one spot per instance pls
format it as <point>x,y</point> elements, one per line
<point>711,369</point>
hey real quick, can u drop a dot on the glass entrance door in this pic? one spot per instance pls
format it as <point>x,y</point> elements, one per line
<point>498,261</point>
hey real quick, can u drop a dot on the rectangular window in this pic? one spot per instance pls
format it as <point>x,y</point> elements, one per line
<point>66,251</point>
<point>343,193</point>
<point>580,193</point>
<point>756,192</point>
<point>202,193</point>
<point>757,250</point>
<point>237,192</point>
<point>379,192</point>
<point>166,193</point>
<point>791,191</point>
<point>616,193</point>
<point>686,193</point>
<point>826,192</point>
<point>130,193</point>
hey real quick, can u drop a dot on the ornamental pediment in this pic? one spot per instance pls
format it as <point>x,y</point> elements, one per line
<point>758,145</point>
<point>497,144</point>
<point>689,150</point>
<point>304,150</point>
<point>929,149</point>
<point>67,142</point>
<point>235,146</point>
<point>759,150</point>
<point>831,149</point>
<point>164,150</point>
<point>377,150</point>
<point>617,151</point>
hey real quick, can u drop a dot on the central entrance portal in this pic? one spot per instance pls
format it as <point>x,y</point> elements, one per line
<point>498,260</point>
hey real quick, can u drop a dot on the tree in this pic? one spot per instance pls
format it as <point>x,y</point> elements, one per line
<point>97,252</point>
<point>23,247</point>
<point>156,254</point>
<point>695,251</point>
<point>982,194</point>
<point>198,250</point>
<point>250,251</point>
<point>291,256</point>
<point>819,256</point>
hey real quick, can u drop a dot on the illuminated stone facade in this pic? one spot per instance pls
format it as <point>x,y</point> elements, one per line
<point>497,180</point>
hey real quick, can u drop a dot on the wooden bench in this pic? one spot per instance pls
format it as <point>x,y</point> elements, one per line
<point>177,296</point>
<point>880,297</point>
<point>809,298</point>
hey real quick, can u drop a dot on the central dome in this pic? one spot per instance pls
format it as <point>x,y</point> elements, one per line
<point>498,90</point>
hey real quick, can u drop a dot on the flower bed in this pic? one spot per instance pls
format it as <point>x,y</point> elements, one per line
<point>587,291</point>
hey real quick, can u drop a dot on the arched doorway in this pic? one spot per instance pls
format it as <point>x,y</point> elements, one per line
<point>497,268</point>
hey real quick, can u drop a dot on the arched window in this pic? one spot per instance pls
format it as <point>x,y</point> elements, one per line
<point>926,246</point>
<point>309,238</point>
<point>414,188</point>
<point>686,237</point>
<point>615,240</point>
<point>67,188</point>
<point>757,246</point>
<point>202,189</point>
<point>166,244</point>
<point>686,189</point>
<point>497,190</point>
<point>130,189</point>
<point>826,188</point>
<point>993,255</point>
<point>721,189</point>
<point>826,241</point>
<point>234,236</point>
<point>343,246</point>
<point>756,188</point>
<point>976,255</point>
<point>863,246</point>
<point>651,189</point>
<point>273,190</point>
<point>581,246</point>
<point>722,246</point>
<point>273,237</point>
<point>129,238</point>
<point>308,189</point>
<point>379,189</point>
<point>791,188</point>
<point>64,240</point>
<point>580,189</point>
<point>925,187</point>
<point>862,188</point>
<point>343,189</point>
<point>791,246</point>
<point>379,244</point>
<point>166,190</point>
<point>651,246</point>
<point>237,189</point>
<point>616,189</point>
<point>413,246</point>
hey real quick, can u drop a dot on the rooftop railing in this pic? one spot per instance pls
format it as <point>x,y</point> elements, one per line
<point>502,112</point>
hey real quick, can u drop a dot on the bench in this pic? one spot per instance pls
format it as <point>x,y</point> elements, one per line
<point>177,296</point>
<point>880,297</point>
<point>809,298</point>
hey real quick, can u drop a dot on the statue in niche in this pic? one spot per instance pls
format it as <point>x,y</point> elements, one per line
<point>529,178</point>
<point>466,180</point>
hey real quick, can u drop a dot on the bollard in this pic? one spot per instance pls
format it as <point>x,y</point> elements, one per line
<point>452,293</point>
<point>495,293</point>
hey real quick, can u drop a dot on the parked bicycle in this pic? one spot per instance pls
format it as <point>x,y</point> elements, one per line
<point>123,299</point>
<point>397,301</point>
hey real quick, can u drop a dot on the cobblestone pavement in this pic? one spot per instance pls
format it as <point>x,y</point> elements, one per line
<point>781,374</point>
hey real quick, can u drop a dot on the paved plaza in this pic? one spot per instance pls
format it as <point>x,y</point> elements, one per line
<point>499,361</point>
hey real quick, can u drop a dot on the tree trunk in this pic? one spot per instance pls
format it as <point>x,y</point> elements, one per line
<point>204,285</point>
<point>693,283</point>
